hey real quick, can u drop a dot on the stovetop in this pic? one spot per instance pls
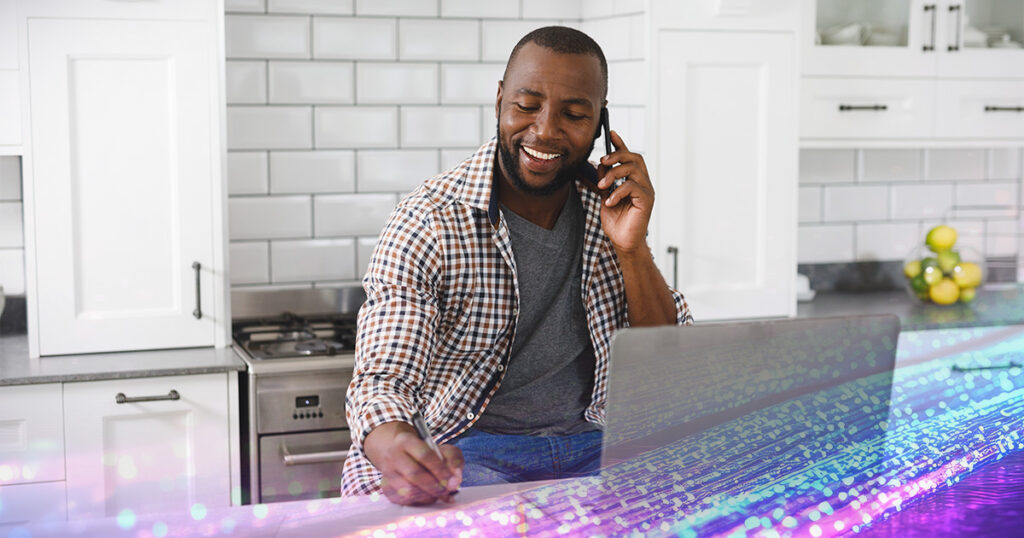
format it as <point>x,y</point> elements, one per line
<point>288,336</point>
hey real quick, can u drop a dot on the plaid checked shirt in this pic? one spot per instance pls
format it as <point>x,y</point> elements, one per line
<point>441,305</point>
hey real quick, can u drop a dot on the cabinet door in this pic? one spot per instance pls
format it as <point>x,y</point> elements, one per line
<point>31,504</point>
<point>123,122</point>
<point>31,434</point>
<point>992,109</point>
<point>982,39</point>
<point>726,170</point>
<point>866,108</point>
<point>151,456</point>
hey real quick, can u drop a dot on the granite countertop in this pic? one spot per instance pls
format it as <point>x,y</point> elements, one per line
<point>16,368</point>
<point>994,305</point>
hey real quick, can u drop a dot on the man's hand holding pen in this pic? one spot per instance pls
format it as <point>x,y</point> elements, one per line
<point>413,472</point>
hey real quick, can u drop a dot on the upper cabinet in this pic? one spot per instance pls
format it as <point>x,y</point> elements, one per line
<point>10,97</point>
<point>124,186</point>
<point>891,72</point>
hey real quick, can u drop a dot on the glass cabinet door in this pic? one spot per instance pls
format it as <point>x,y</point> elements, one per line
<point>870,37</point>
<point>982,38</point>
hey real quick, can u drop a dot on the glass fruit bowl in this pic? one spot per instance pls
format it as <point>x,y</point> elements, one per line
<point>944,277</point>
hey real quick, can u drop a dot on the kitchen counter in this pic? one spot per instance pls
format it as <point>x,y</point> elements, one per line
<point>16,368</point>
<point>1003,305</point>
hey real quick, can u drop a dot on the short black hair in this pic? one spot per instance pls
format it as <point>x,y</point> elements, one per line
<point>564,40</point>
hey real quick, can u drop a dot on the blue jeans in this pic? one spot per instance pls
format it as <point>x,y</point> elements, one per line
<point>497,459</point>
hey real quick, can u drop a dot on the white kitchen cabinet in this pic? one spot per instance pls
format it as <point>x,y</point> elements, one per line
<point>147,456</point>
<point>41,502</point>
<point>725,166</point>
<point>124,188</point>
<point>31,434</point>
<point>840,108</point>
<point>10,96</point>
<point>980,109</point>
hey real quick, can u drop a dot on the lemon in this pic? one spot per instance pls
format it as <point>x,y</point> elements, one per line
<point>940,238</point>
<point>945,292</point>
<point>932,275</point>
<point>912,268</point>
<point>967,295</point>
<point>967,275</point>
<point>947,260</point>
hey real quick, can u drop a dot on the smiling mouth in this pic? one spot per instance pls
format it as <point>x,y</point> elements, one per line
<point>541,155</point>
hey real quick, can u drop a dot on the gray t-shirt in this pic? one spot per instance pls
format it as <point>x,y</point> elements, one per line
<point>550,374</point>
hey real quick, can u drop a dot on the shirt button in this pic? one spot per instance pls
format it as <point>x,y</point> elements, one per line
<point>501,367</point>
<point>470,415</point>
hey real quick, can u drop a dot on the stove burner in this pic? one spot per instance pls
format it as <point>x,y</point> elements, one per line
<point>289,335</point>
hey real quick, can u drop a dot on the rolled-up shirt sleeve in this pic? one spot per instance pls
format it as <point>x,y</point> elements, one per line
<point>683,315</point>
<point>397,324</point>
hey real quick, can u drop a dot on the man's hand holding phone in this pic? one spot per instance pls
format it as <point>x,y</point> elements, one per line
<point>413,474</point>
<point>626,211</point>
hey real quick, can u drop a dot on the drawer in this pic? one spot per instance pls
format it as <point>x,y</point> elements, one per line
<point>121,9</point>
<point>298,466</point>
<point>991,109</point>
<point>31,434</point>
<point>862,108</point>
<point>32,503</point>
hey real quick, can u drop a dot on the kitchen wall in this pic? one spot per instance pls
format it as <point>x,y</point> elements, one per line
<point>12,242</point>
<point>336,109</point>
<point>876,204</point>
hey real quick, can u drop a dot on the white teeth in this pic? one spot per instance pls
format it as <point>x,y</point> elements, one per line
<point>539,155</point>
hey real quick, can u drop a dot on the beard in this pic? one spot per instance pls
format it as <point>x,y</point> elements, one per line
<point>565,174</point>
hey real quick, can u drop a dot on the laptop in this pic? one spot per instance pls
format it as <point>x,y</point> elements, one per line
<point>669,385</point>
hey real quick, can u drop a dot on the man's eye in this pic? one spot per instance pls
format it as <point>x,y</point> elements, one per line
<point>575,117</point>
<point>527,108</point>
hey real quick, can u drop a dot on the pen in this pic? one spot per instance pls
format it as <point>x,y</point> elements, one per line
<point>424,433</point>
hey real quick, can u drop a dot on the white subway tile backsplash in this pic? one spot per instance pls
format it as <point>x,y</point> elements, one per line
<point>250,262</point>
<point>440,127</point>
<point>470,84</point>
<point>827,166</point>
<point>356,127</point>
<point>317,259</point>
<point>1003,238</point>
<point>270,217</point>
<point>958,164</point>
<point>628,6</point>
<point>597,8</point>
<point>495,9</point>
<point>395,170</point>
<point>613,34</point>
<point>489,123</point>
<point>318,82</point>
<point>809,204</point>
<point>364,251</point>
<point>354,38</point>
<point>922,201</point>
<point>891,165</point>
<point>629,123</point>
<point>262,36</point>
<point>352,214</point>
<point>499,37</point>
<point>431,39</point>
<point>856,203</point>
<point>246,82</point>
<point>10,178</point>
<point>993,198</point>
<point>627,83</point>
<point>1004,163</point>
<point>245,6</point>
<point>403,8</point>
<point>450,158</point>
<point>312,171</point>
<point>553,9</point>
<point>396,83</point>
<point>311,7</point>
<point>825,244</point>
<point>11,235</point>
<point>247,172</point>
<point>886,241</point>
<point>970,233</point>
<point>269,127</point>
<point>12,271</point>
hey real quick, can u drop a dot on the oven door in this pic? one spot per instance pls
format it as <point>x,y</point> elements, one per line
<point>298,466</point>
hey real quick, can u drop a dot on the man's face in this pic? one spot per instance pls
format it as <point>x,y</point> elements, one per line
<point>548,109</point>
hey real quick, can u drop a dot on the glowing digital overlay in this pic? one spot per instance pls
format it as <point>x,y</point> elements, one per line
<point>830,462</point>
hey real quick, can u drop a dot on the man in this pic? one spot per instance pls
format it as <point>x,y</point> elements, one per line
<point>495,289</point>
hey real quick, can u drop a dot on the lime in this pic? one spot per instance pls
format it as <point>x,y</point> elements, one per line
<point>912,268</point>
<point>929,262</point>
<point>947,260</point>
<point>967,275</point>
<point>967,295</point>
<point>940,238</point>
<point>932,275</point>
<point>919,285</point>
<point>945,292</point>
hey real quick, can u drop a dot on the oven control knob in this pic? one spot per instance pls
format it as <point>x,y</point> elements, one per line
<point>320,414</point>
<point>294,416</point>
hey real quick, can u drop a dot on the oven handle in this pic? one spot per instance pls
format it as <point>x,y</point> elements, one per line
<point>314,457</point>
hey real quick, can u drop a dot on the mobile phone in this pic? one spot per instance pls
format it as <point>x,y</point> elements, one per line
<point>607,131</point>
<point>589,172</point>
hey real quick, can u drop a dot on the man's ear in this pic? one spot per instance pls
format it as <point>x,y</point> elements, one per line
<point>497,101</point>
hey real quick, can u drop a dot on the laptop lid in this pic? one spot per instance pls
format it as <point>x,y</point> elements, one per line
<point>668,383</point>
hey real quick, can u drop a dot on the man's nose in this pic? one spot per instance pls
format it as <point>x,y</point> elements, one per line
<point>545,124</point>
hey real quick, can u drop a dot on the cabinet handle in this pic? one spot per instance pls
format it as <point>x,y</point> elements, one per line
<point>121,398</point>
<point>316,457</point>
<point>674,251</point>
<point>1004,108</point>
<point>931,45</point>
<point>959,22</point>
<point>849,108</point>
<point>198,312</point>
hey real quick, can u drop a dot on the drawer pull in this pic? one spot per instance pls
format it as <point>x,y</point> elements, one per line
<point>198,312</point>
<point>121,398</point>
<point>931,45</point>
<point>674,251</point>
<point>1004,109</point>
<point>315,457</point>
<point>849,108</point>
<point>959,23</point>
